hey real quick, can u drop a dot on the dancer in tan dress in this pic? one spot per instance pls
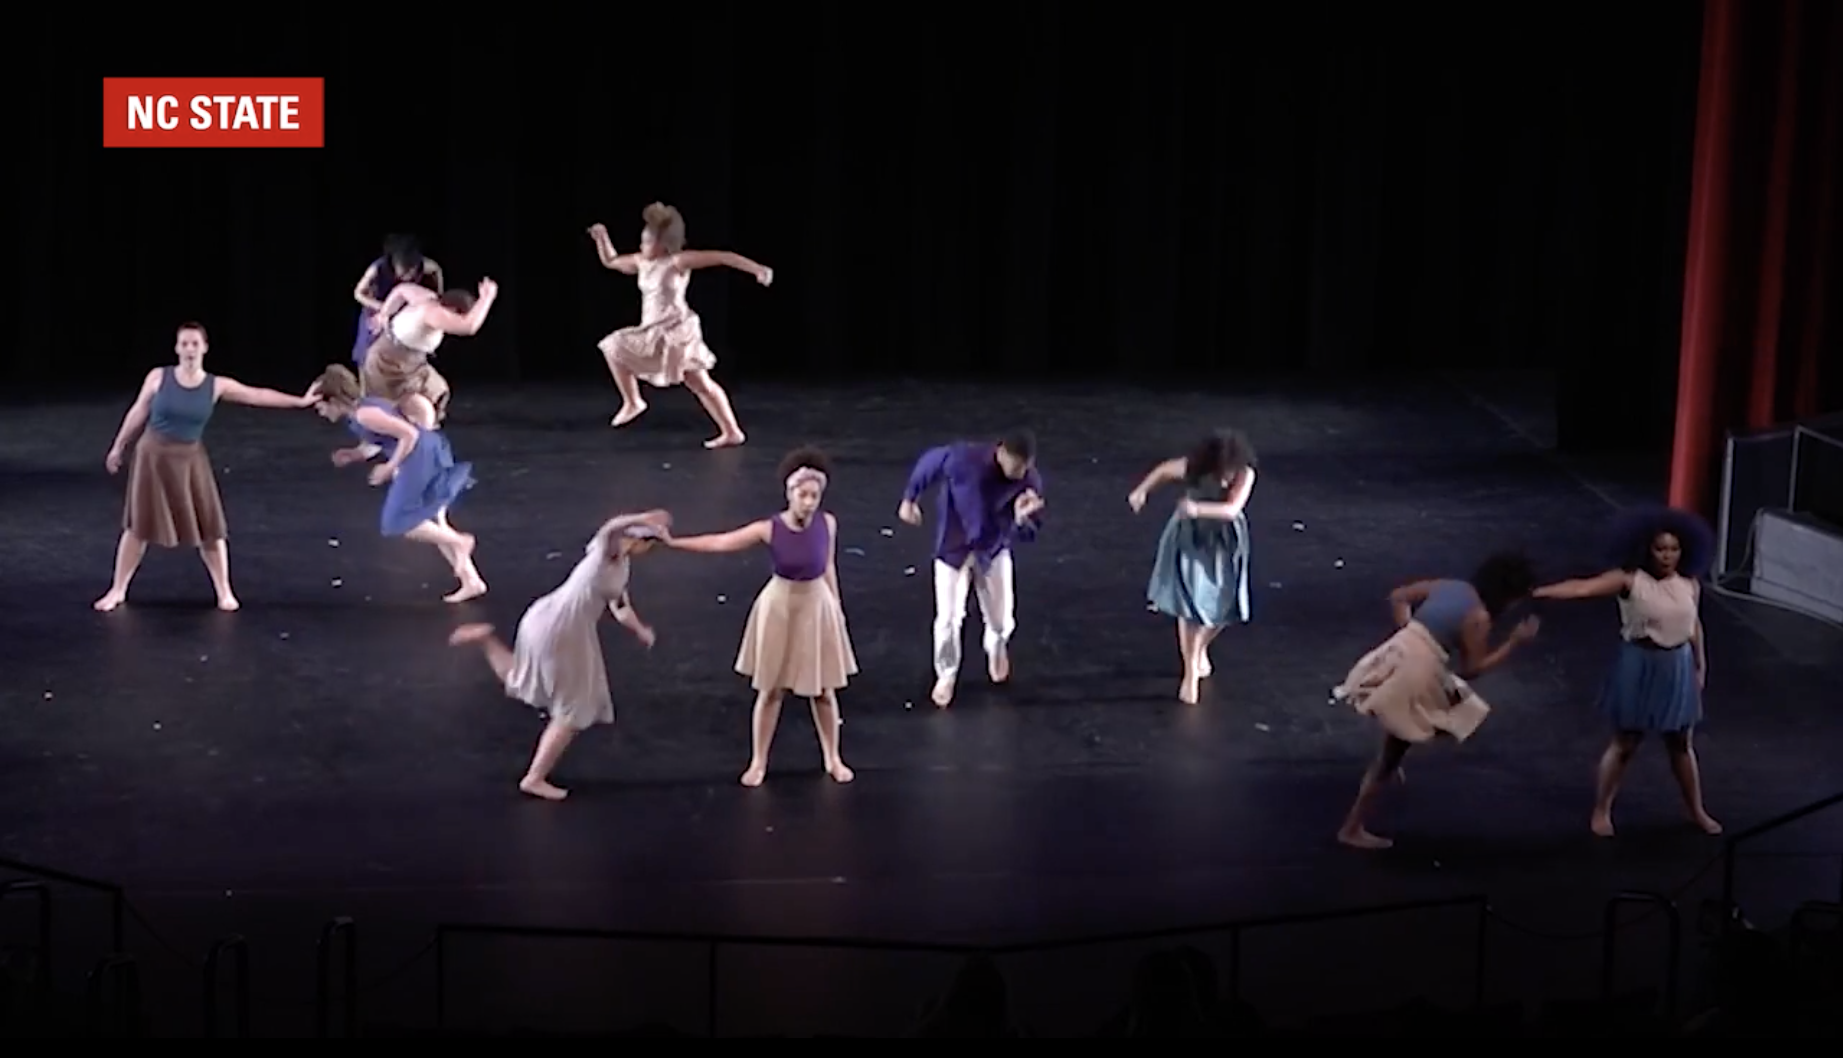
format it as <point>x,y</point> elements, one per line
<point>416,319</point>
<point>667,348</point>
<point>555,664</point>
<point>795,641</point>
<point>1412,683</point>
<point>173,496</point>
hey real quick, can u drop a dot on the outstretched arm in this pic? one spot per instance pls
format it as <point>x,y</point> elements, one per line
<point>751,535</point>
<point>463,324</point>
<point>691,260</point>
<point>362,292</point>
<point>1231,508</point>
<point>1612,582</point>
<point>257,397</point>
<point>136,416</point>
<point>625,263</point>
<point>1163,474</point>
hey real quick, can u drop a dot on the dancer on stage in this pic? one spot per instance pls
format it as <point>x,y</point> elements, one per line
<point>555,664</point>
<point>1655,686</point>
<point>419,467</point>
<point>172,493</point>
<point>1412,684</point>
<point>667,348</point>
<point>991,497</point>
<point>416,321</point>
<point>795,641</point>
<point>1200,575</point>
<point>402,262</point>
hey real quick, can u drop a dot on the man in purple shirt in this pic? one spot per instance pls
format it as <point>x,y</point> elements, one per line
<point>991,496</point>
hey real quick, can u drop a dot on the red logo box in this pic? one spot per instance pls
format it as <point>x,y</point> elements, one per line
<point>213,112</point>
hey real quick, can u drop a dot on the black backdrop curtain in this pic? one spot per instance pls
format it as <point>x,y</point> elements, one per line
<point>1334,188</point>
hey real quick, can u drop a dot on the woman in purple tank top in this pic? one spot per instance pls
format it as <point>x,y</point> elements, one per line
<point>795,641</point>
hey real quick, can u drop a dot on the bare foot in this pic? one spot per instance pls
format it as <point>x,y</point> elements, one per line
<point>998,666</point>
<point>1363,839</point>
<point>110,601</point>
<point>1601,823</point>
<point>1188,692</point>
<point>1204,669</point>
<point>540,788</point>
<point>469,589</point>
<point>628,413</point>
<point>229,603</point>
<point>1706,823</point>
<point>840,773</point>
<point>942,695</point>
<point>466,635</point>
<point>756,774</point>
<point>727,440</point>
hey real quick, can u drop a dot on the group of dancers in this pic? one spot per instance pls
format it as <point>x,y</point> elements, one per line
<point>989,498</point>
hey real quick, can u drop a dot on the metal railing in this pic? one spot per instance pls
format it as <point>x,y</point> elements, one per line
<point>1673,947</point>
<point>714,944</point>
<point>34,883</point>
<point>1730,853</point>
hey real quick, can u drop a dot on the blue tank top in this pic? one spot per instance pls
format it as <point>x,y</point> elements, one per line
<point>178,413</point>
<point>1445,609</point>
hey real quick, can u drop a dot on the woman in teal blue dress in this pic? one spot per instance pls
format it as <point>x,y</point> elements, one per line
<point>1200,576</point>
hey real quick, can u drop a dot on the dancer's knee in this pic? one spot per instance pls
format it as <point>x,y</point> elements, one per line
<point>1678,743</point>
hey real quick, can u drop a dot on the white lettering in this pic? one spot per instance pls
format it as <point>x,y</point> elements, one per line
<point>245,113</point>
<point>146,112</point>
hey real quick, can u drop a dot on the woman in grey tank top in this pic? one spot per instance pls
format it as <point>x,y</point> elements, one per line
<point>1409,683</point>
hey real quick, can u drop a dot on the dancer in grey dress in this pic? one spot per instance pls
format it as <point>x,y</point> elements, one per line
<point>555,664</point>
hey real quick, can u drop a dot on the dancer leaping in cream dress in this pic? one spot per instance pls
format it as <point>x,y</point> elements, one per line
<point>667,348</point>
<point>555,665</point>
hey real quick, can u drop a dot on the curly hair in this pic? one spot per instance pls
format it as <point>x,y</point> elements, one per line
<point>1503,580</point>
<point>1629,539</point>
<point>1219,456</point>
<point>339,385</point>
<point>806,457</point>
<point>667,225</point>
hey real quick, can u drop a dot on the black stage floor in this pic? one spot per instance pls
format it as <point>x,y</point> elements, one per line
<point>324,752</point>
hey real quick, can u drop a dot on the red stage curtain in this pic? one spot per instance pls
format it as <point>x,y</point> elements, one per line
<point>1760,342</point>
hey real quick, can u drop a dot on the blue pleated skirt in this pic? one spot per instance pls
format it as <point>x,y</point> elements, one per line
<point>1200,573</point>
<point>1652,689</point>
<point>428,483</point>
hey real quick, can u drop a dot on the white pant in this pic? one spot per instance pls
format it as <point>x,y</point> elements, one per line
<point>996,607</point>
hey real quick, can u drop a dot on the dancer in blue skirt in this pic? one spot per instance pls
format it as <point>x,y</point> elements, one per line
<point>419,467</point>
<point>1655,686</point>
<point>1200,575</point>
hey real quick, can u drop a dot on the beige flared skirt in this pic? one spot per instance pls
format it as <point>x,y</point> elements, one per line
<point>796,640</point>
<point>173,496</point>
<point>660,353</point>
<point>394,371</point>
<point>1406,685</point>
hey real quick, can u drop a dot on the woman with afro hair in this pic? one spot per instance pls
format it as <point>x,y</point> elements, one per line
<point>1657,556</point>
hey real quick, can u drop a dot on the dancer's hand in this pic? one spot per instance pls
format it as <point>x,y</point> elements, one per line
<point>1136,500</point>
<point>375,322</point>
<point>312,396</point>
<point>598,232</point>
<point>1028,504</point>
<point>765,277</point>
<point>345,457</point>
<point>1526,629</point>
<point>488,288</point>
<point>909,513</point>
<point>1702,677</point>
<point>646,636</point>
<point>113,461</point>
<point>382,473</point>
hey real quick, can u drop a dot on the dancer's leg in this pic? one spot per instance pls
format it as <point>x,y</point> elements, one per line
<point>1388,761</point>
<point>1189,635</point>
<point>556,738</point>
<point>1682,749</point>
<point>632,404</point>
<point>998,612</point>
<point>762,724</point>
<point>473,585</point>
<point>498,655</point>
<point>216,555</point>
<point>1607,777</point>
<point>128,554</point>
<point>436,391</point>
<point>827,723</point>
<point>1206,637</point>
<point>717,405</point>
<point>457,546</point>
<point>950,587</point>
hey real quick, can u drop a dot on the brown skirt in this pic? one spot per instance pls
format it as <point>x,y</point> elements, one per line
<point>173,496</point>
<point>796,640</point>
<point>394,371</point>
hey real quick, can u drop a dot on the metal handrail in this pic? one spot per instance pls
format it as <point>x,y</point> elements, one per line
<point>115,996</point>
<point>238,949</point>
<point>323,996</point>
<point>42,897</point>
<point>118,898</point>
<point>1729,853</point>
<point>1609,942</point>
